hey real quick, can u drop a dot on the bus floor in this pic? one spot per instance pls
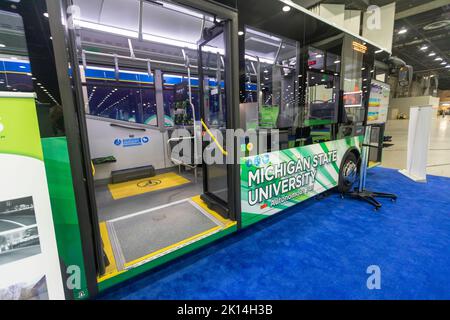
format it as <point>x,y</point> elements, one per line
<point>138,227</point>
<point>109,208</point>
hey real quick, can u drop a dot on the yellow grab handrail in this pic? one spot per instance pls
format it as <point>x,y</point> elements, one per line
<point>224,152</point>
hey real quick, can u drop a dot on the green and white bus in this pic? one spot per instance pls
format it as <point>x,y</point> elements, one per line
<point>98,93</point>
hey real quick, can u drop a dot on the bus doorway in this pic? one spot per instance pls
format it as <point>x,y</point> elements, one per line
<point>147,97</point>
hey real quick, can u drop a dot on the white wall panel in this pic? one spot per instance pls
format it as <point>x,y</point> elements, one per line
<point>102,138</point>
<point>383,32</point>
<point>352,21</point>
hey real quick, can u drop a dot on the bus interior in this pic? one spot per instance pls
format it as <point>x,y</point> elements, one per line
<point>142,83</point>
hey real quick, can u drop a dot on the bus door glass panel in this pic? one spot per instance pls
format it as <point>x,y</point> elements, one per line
<point>177,110</point>
<point>125,103</point>
<point>322,98</point>
<point>316,58</point>
<point>284,86</point>
<point>355,83</point>
<point>252,78</point>
<point>322,103</point>
<point>272,70</point>
<point>214,104</point>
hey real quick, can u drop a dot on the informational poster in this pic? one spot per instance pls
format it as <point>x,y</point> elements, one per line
<point>378,102</point>
<point>29,263</point>
<point>273,182</point>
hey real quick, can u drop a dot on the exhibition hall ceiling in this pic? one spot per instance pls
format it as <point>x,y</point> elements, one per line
<point>422,33</point>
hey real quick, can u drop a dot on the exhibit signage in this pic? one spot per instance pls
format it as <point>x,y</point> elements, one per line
<point>359,47</point>
<point>273,182</point>
<point>29,263</point>
<point>378,102</point>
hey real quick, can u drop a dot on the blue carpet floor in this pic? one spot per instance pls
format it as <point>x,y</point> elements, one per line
<point>321,250</point>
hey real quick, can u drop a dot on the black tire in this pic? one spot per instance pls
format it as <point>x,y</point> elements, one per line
<point>348,173</point>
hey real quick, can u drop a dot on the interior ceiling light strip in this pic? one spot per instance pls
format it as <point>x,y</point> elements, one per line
<point>175,43</point>
<point>14,59</point>
<point>262,34</point>
<point>108,29</point>
<point>147,37</point>
<point>185,11</point>
<point>265,42</point>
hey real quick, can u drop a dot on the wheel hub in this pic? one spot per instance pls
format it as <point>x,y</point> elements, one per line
<point>350,173</point>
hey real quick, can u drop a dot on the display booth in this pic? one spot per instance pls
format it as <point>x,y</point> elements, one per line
<point>178,123</point>
<point>377,117</point>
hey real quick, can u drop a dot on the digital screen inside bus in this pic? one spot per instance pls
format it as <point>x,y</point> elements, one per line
<point>353,99</point>
<point>316,58</point>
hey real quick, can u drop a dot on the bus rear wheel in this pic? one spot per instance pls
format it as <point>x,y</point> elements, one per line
<point>348,173</point>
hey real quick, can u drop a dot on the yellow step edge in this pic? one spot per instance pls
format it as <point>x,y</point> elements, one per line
<point>227,223</point>
<point>111,270</point>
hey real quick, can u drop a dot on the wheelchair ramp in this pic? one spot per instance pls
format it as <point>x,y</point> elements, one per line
<point>147,235</point>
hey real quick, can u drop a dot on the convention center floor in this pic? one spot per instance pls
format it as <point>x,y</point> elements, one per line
<point>322,249</point>
<point>439,149</point>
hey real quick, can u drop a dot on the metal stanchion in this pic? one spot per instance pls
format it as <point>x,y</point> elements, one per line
<point>360,192</point>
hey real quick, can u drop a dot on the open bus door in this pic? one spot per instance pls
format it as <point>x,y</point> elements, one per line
<point>216,102</point>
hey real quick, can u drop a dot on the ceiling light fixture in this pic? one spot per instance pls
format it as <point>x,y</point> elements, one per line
<point>432,54</point>
<point>437,25</point>
<point>108,29</point>
<point>286,8</point>
<point>403,31</point>
<point>175,43</point>
<point>423,48</point>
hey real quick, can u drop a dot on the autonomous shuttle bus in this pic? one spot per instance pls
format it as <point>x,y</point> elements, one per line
<point>171,124</point>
